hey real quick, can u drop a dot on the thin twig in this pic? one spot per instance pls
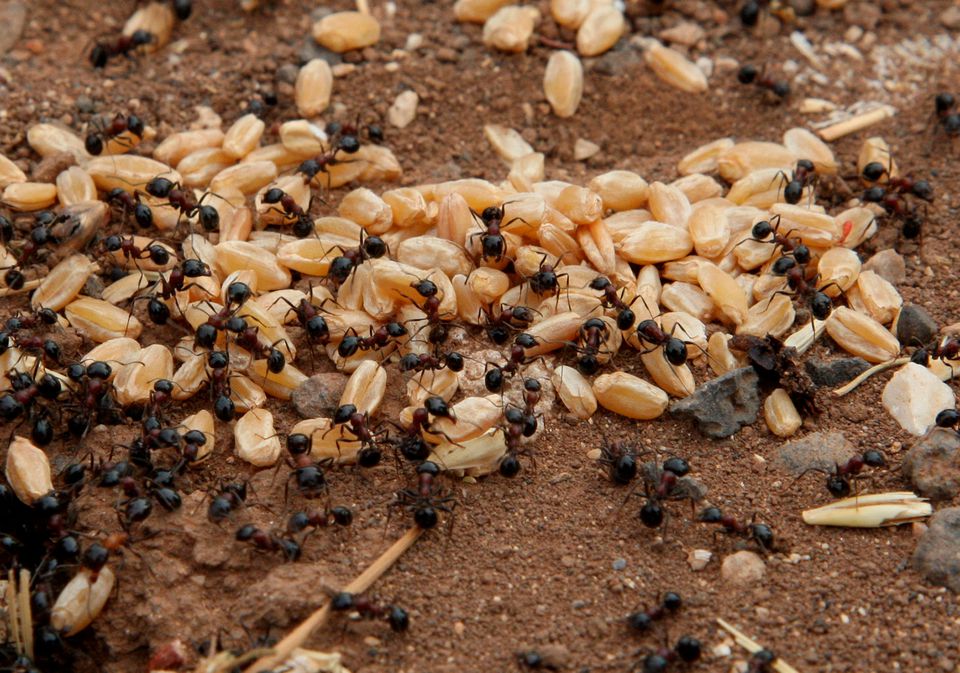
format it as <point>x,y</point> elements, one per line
<point>363,581</point>
<point>752,646</point>
<point>876,369</point>
<point>26,612</point>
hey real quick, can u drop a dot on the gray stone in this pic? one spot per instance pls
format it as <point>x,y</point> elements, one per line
<point>85,104</point>
<point>310,50</point>
<point>937,556</point>
<point>287,73</point>
<point>816,451</point>
<point>686,487</point>
<point>319,395</point>
<point>915,327</point>
<point>889,265</point>
<point>933,465</point>
<point>834,373</point>
<point>722,406</point>
<point>743,568</point>
<point>620,564</point>
<point>13,15</point>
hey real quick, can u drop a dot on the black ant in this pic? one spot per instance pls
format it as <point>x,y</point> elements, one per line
<point>749,74</point>
<point>310,320</point>
<point>791,247</point>
<point>760,533</point>
<point>546,281</point>
<point>532,391</point>
<point>370,247</point>
<point>358,424</point>
<point>686,650</point>
<point>373,132</point>
<point>612,299</point>
<point>330,516</point>
<point>674,348</point>
<point>410,444</point>
<point>838,480</point>
<point>947,115</point>
<point>120,124</point>
<point>169,285</point>
<point>129,250</point>
<point>225,318</point>
<point>948,349</point>
<point>591,337</point>
<point>761,661</point>
<point>642,620</point>
<point>41,235</point>
<point>492,243</point>
<point>249,339</point>
<point>377,340</point>
<point>620,458</point>
<point>517,425</point>
<point>802,176</point>
<point>122,45</point>
<point>494,377</point>
<point>876,171</point>
<point>948,418</point>
<point>302,225</point>
<point>420,362</point>
<point>430,305</point>
<point>509,318</point>
<point>23,398</point>
<point>397,617</point>
<point>265,541</point>
<point>426,500</point>
<point>223,407</point>
<point>131,203</point>
<point>661,485</point>
<point>309,475</point>
<point>230,498</point>
<point>95,556</point>
<point>348,144</point>
<point>184,201</point>
<point>183,9</point>
<point>93,394</point>
<point>820,303</point>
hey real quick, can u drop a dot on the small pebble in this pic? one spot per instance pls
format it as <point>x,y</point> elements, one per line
<point>699,558</point>
<point>743,568</point>
<point>914,396</point>
<point>620,564</point>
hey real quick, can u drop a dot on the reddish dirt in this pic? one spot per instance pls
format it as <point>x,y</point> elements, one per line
<point>529,561</point>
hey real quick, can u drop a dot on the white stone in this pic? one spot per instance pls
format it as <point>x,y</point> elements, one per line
<point>404,109</point>
<point>914,396</point>
<point>699,558</point>
<point>583,149</point>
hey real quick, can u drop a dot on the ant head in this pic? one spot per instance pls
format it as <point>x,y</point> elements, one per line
<point>513,415</point>
<point>454,362</point>
<point>491,215</point>
<point>143,216</point>
<point>525,340</point>
<point>218,359</point>
<point>951,124</point>
<point>135,125</point>
<point>426,517</point>
<point>948,418</point>
<point>428,467</point>
<point>425,288</point>
<point>874,194</point>
<point>349,346</point>
<point>158,254</point>
<point>820,306</point>
<point>532,385</point>
<point>246,532</point>
<point>688,648</point>
<point>236,324</point>
<point>509,466</point>
<point>159,187</point>
<point>317,327</point>
<point>944,102</point>
<point>763,534</point>
<point>206,335</point>
<point>276,361</point>
<point>874,458</point>
<point>395,330</point>
<point>298,444</point>
<point>195,437</point>
<point>99,370</point>
<point>224,408</point>
<point>710,515</point>
<point>194,268</point>
<point>141,37</point>
<point>672,601</point>
<point>98,56</point>
<point>923,189</point>
<point>801,253</point>
<point>747,74</point>
<point>783,264</point>
<point>805,165</point>
<point>912,226</point>
<point>164,386</point>
<point>625,319</point>
<point>349,144</point>
<point>183,9</point>
<point>340,268</point>
<point>873,171</point>
<point>588,364</point>
<point>600,283</point>
<point>639,621</point>
<point>93,144</point>
<point>437,406</point>
<point>113,243</point>
<point>750,13</point>
<point>398,618</point>
<point>763,657</point>
<point>14,279</point>
<point>409,362</point>
<point>374,247</point>
<point>238,293</point>
<point>209,218</point>
<point>675,351</point>
<point>781,89</point>
<point>309,168</point>
<point>493,380</point>
<point>678,466</point>
<point>344,413</point>
<point>651,514</point>
<point>342,516</point>
<point>793,192</point>
<point>273,195</point>
<point>594,323</point>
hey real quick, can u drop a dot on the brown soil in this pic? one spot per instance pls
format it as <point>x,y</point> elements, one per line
<point>529,561</point>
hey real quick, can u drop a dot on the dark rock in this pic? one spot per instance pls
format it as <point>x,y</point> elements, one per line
<point>724,405</point>
<point>319,395</point>
<point>834,373</point>
<point>816,451</point>
<point>937,556</point>
<point>932,465</point>
<point>915,327</point>
<point>889,265</point>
